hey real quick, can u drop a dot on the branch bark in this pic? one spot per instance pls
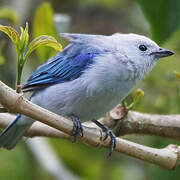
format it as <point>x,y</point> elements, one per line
<point>141,123</point>
<point>61,127</point>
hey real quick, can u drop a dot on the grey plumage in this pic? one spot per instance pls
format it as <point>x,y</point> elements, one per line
<point>92,75</point>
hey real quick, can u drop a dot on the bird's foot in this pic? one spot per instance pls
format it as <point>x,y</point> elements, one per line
<point>77,127</point>
<point>108,132</point>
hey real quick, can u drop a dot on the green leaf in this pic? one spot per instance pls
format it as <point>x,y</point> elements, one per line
<point>43,40</point>
<point>43,24</point>
<point>10,14</point>
<point>24,38</point>
<point>163,17</point>
<point>13,35</point>
<point>139,94</point>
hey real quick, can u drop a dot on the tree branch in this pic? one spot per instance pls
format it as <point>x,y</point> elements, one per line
<point>141,123</point>
<point>167,157</point>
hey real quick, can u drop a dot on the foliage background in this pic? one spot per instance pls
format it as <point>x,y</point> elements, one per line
<point>157,19</point>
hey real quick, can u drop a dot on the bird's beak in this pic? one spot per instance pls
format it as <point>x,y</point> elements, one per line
<point>162,52</point>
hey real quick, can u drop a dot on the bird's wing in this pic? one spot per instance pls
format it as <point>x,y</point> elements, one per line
<point>66,66</point>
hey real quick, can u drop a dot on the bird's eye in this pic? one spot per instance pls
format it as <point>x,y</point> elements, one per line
<point>142,47</point>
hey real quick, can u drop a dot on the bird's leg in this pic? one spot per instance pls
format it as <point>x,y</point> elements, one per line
<point>77,127</point>
<point>108,132</point>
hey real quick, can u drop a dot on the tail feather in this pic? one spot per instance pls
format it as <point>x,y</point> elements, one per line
<point>12,134</point>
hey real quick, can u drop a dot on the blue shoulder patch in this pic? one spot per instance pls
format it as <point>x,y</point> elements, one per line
<point>66,66</point>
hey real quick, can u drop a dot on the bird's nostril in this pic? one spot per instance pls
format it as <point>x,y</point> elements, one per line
<point>160,49</point>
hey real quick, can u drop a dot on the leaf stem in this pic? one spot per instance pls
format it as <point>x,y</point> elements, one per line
<point>20,67</point>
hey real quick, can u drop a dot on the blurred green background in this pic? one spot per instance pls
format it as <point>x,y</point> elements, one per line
<point>158,19</point>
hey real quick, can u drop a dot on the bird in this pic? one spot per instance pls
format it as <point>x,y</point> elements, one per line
<point>88,78</point>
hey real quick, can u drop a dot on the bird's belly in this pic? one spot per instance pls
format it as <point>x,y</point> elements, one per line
<point>86,107</point>
<point>96,106</point>
<point>91,108</point>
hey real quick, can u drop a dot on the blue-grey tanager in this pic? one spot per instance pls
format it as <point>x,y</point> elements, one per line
<point>88,78</point>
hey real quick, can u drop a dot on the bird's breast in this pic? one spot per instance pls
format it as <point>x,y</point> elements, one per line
<point>93,104</point>
<point>86,101</point>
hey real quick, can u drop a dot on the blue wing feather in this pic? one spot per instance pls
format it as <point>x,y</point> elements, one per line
<point>66,66</point>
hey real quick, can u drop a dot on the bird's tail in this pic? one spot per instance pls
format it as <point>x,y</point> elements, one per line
<point>13,133</point>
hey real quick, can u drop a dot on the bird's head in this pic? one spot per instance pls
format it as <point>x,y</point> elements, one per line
<point>140,48</point>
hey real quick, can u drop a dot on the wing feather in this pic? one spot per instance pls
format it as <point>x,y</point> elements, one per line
<point>66,66</point>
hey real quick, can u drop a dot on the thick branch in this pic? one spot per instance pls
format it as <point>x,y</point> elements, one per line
<point>167,157</point>
<point>37,129</point>
<point>141,123</point>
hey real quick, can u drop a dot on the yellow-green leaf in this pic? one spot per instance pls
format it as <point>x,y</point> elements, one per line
<point>177,74</point>
<point>9,14</point>
<point>43,23</point>
<point>43,40</point>
<point>12,33</point>
<point>24,37</point>
<point>139,94</point>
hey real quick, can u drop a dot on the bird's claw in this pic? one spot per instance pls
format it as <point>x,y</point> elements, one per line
<point>77,128</point>
<point>109,133</point>
<point>112,142</point>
